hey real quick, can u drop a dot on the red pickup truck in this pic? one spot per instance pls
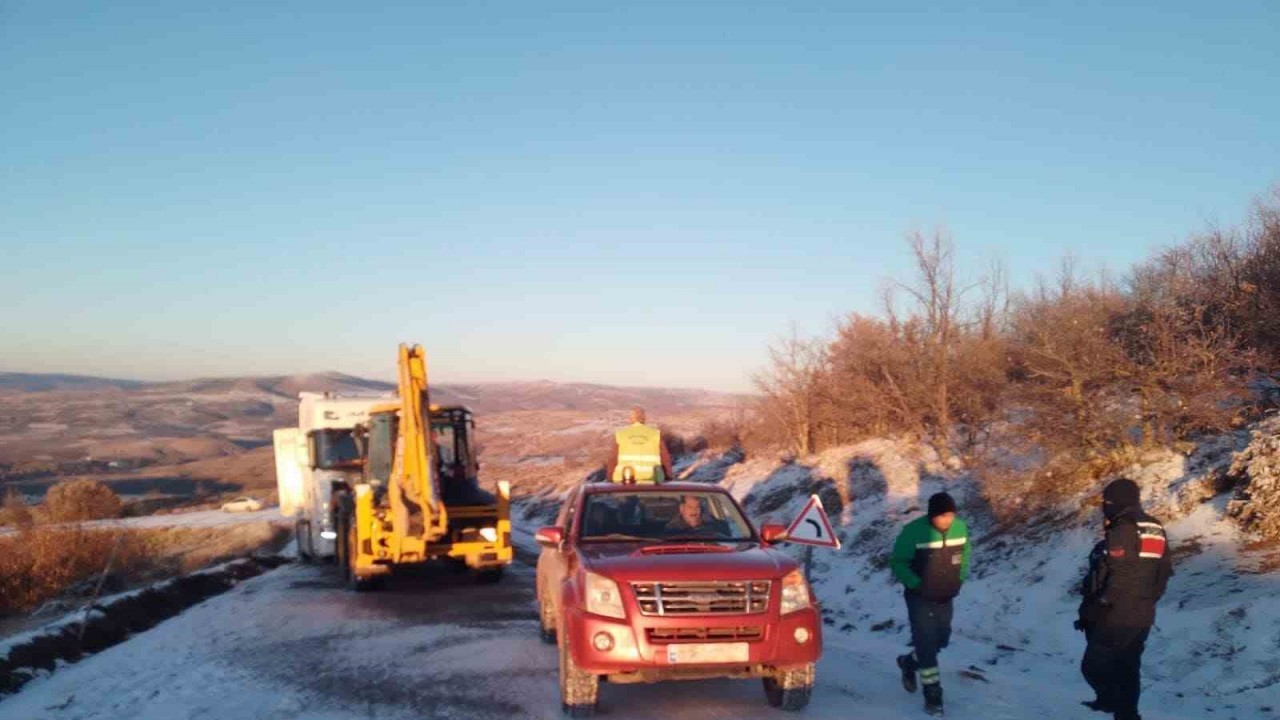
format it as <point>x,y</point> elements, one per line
<point>643,583</point>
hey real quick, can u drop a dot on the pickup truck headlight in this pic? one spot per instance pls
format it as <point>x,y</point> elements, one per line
<point>795,592</point>
<point>603,597</point>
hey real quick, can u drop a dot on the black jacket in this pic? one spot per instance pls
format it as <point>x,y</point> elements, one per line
<point>1128,573</point>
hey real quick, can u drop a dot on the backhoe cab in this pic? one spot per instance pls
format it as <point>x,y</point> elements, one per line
<point>418,498</point>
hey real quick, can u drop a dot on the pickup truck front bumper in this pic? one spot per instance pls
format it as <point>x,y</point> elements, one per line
<point>637,649</point>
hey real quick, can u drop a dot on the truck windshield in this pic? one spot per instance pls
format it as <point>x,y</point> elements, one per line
<point>663,517</point>
<point>336,450</point>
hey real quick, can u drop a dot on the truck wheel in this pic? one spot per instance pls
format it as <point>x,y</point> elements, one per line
<point>790,689</point>
<point>546,622</point>
<point>302,529</point>
<point>579,690</point>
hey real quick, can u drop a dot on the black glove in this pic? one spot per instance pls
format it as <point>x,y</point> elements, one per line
<point>1079,625</point>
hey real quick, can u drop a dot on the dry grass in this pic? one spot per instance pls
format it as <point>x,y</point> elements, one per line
<point>41,563</point>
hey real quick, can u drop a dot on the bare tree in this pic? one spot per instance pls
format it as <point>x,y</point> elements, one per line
<point>937,302</point>
<point>794,386</point>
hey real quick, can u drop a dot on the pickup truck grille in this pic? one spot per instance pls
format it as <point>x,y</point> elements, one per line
<point>702,598</point>
<point>698,634</point>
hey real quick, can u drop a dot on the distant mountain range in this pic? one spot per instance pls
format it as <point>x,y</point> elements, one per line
<point>59,419</point>
<point>481,397</point>
<point>33,382</point>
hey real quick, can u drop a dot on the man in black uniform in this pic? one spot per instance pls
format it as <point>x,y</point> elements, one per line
<point>1128,572</point>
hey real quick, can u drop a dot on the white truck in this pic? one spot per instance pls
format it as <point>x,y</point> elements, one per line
<point>316,457</point>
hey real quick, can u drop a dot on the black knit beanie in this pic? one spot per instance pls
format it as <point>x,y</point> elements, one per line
<point>940,504</point>
<point>1120,495</point>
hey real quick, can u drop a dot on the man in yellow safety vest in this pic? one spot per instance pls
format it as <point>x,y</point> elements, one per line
<point>639,454</point>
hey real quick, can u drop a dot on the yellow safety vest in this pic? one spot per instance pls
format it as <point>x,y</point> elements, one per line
<point>640,448</point>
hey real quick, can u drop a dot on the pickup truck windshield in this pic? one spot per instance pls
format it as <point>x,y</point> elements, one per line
<point>663,517</point>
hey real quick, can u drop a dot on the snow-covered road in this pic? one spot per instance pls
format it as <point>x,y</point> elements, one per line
<point>195,519</point>
<point>294,644</point>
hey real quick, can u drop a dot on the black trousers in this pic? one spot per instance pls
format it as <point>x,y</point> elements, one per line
<point>1112,665</point>
<point>930,633</point>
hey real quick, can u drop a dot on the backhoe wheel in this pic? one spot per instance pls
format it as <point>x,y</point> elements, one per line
<point>790,689</point>
<point>547,622</point>
<point>355,581</point>
<point>579,690</point>
<point>489,576</point>
<point>340,548</point>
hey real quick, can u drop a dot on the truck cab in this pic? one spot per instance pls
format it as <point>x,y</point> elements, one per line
<point>646,583</point>
<point>317,458</point>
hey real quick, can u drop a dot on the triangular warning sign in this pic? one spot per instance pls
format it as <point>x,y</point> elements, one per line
<point>812,527</point>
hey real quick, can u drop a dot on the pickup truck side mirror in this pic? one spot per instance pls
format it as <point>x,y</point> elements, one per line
<point>773,533</point>
<point>550,537</point>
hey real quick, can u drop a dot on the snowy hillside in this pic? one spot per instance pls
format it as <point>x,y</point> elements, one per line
<point>1216,647</point>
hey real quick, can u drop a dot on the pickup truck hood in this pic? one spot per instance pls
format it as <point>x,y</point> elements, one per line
<point>696,561</point>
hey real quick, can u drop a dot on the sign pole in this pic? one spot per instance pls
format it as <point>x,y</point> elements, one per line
<point>808,562</point>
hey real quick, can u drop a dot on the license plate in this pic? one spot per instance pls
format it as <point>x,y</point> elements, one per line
<point>707,653</point>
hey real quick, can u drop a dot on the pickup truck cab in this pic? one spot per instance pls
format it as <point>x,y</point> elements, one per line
<point>644,583</point>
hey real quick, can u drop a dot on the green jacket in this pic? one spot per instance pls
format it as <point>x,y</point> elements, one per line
<point>930,563</point>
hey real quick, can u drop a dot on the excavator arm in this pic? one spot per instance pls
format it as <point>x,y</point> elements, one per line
<point>416,499</point>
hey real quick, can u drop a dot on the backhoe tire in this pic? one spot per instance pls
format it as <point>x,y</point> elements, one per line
<point>340,548</point>
<point>489,576</point>
<point>790,689</point>
<point>354,581</point>
<point>546,622</point>
<point>579,690</point>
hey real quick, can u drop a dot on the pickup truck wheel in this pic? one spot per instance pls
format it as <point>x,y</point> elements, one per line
<point>547,622</point>
<point>579,690</point>
<point>790,689</point>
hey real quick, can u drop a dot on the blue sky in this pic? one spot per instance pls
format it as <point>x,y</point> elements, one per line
<point>633,193</point>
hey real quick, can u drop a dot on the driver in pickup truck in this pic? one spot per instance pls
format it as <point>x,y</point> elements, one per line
<point>691,520</point>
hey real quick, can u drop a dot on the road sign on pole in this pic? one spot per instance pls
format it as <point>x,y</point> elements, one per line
<point>811,527</point>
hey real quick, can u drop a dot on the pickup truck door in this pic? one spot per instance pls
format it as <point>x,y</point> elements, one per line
<point>551,562</point>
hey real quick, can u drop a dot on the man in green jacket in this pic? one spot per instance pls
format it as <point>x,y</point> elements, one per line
<point>931,560</point>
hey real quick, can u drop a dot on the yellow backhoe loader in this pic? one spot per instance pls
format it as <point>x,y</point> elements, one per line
<point>418,498</point>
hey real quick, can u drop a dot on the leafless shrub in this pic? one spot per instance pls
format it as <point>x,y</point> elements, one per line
<point>76,500</point>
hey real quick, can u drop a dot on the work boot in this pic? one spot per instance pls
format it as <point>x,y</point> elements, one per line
<point>933,699</point>
<point>907,664</point>
<point>1096,705</point>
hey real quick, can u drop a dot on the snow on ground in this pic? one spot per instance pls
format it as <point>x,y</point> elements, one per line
<point>1216,646</point>
<point>292,644</point>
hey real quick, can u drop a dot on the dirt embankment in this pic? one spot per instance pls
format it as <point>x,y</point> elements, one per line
<point>112,622</point>
<point>60,566</point>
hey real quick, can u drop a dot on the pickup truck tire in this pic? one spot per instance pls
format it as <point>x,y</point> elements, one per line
<point>579,690</point>
<point>546,622</point>
<point>790,689</point>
